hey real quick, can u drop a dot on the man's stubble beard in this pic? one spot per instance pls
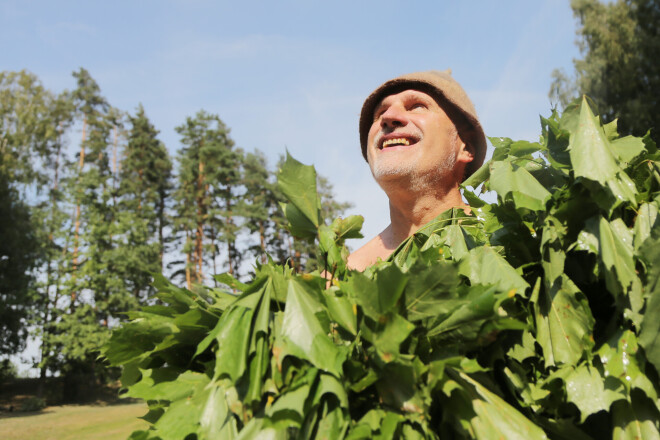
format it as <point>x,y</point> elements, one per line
<point>409,172</point>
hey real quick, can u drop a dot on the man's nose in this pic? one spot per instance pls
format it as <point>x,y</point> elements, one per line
<point>394,116</point>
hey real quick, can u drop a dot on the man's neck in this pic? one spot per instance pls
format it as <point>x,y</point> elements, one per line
<point>411,207</point>
<point>409,214</point>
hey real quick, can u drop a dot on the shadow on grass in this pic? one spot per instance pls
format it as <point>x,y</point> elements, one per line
<point>16,414</point>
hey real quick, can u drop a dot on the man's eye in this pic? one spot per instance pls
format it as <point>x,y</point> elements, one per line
<point>418,105</point>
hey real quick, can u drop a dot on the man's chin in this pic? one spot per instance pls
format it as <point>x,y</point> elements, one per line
<point>383,173</point>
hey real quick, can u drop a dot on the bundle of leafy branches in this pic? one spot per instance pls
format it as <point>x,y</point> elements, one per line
<point>534,317</point>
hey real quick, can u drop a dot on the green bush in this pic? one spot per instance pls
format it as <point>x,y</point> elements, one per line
<point>33,404</point>
<point>7,370</point>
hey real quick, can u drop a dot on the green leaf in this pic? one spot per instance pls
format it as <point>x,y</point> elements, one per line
<point>136,339</point>
<point>379,296</point>
<point>342,311</point>
<point>616,254</point>
<point>623,361</point>
<point>233,337</point>
<point>563,323</point>
<point>389,334</point>
<point>432,291</point>
<point>182,416</point>
<point>298,183</point>
<point>649,335</point>
<point>646,220</point>
<point>636,420</point>
<point>492,417</point>
<point>457,241</point>
<point>524,148</point>
<point>484,266</point>
<point>166,384</point>
<point>513,182</point>
<point>397,388</point>
<point>256,429</point>
<point>259,347</point>
<point>478,177</point>
<point>290,406</point>
<point>627,148</point>
<point>306,337</point>
<point>466,320</point>
<point>216,421</point>
<point>229,280</point>
<point>589,149</point>
<point>299,225</point>
<point>523,350</point>
<point>590,392</point>
<point>348,227</point>
<point>196,319</point>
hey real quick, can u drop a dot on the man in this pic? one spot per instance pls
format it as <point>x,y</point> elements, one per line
<point>421,137</point>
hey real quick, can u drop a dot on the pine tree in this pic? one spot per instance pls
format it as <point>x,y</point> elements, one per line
<point>92,107</point>
<point>143,192</point>
<point>94,285</point>
<point>55,234</point>
<point>224,227</point>
<point>208,171</point>
<point>258,203</point>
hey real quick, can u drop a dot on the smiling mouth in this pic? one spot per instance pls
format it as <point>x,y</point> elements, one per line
<point>394,142</point>
<point>397,140</point>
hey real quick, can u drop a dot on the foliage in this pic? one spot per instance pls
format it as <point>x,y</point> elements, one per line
<point>30,118</point>
<point>31,121</point>
<point>533,317</point>
<point>87,197</point>
<point>259,207</point>
<point>144,187</point>
<point>208,171</point>
<point>33,403</point>
<point>619,69</point>
<point>18,256</point>
<point>8,370</point>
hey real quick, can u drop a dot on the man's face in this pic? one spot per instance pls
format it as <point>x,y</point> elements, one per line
<point>412,137</point>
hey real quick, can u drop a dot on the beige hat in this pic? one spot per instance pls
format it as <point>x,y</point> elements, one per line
<point>450,96</point>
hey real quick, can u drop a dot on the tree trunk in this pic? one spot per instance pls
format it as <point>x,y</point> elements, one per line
<point>293,255</point>
<point>77,222</point>
<point>188,276</point>
<point>200,221</point>
<point>114,166</point>
<point>49,270</point>
<point>161,223</point>
<point>262,241</point>
<point>230,243</point>
<point>214,251</point>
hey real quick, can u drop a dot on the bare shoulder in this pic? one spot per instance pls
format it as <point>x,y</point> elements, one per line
<point>369,254</point>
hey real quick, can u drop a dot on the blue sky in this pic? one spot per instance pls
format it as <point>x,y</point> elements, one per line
<point>293,74</point>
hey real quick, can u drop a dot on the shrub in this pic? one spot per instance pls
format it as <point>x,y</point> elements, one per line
<point>33,403</point>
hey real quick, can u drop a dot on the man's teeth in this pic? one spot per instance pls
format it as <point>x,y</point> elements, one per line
<point>397,141</point>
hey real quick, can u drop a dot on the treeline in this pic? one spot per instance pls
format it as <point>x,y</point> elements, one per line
<point>92,205</point>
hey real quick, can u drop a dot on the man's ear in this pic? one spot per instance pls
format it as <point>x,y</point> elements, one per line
<point>465,153</point>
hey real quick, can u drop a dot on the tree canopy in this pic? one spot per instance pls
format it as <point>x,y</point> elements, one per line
<point>620,67</point>
<point>94,205</point>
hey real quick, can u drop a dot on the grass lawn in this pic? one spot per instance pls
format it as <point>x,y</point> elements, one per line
<point>79,422</point>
